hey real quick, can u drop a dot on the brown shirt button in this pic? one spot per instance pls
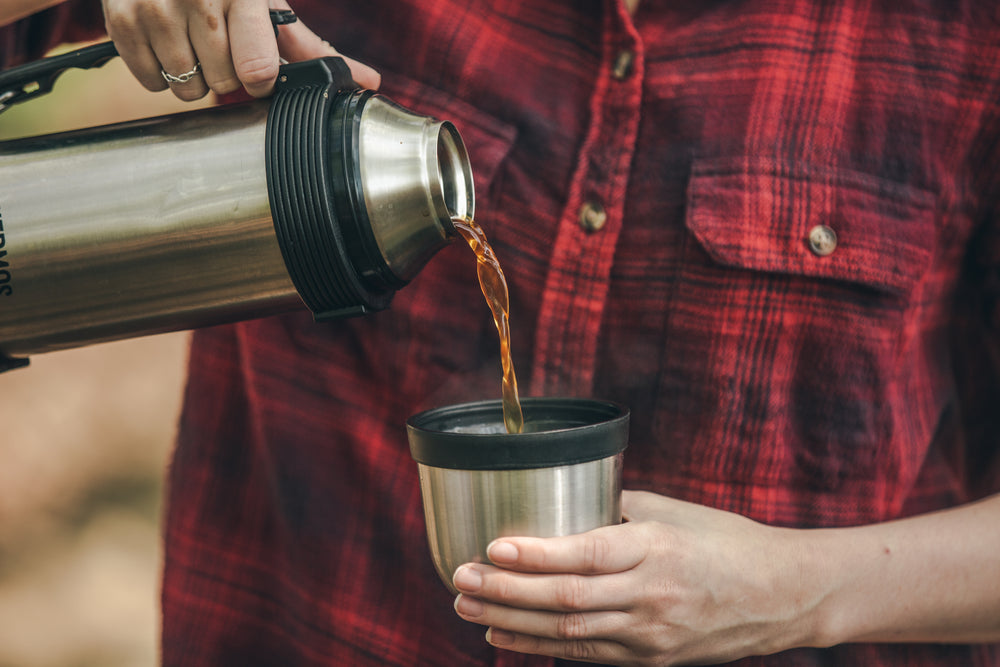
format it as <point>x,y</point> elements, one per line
<point>822,240</point>
<point>592,216</point>
<point>623,65</point>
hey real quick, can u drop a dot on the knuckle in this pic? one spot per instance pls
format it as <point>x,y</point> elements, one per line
<point>224,86</point>
<point>189,6</point>
<point>116,22</point>
<point>503,586</point>
<point>596,552</point>
<point>572,593</point>
<point>155,13</point>
<point>571,627</point>
<point>581,650</point>
<point>117,12</point>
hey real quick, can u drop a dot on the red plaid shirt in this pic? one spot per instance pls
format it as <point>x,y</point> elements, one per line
<point>795,387</point>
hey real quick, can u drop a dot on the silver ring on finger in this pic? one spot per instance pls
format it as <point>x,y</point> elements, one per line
<point>181,78</point>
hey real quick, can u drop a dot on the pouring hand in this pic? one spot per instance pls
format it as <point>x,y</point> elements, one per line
<point>232,41</point>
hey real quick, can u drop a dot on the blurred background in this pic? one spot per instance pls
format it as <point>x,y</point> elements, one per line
<point>86,439</point>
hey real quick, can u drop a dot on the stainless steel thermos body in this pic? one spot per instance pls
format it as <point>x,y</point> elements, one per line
<point>325,195</point>
<point>140,228</point>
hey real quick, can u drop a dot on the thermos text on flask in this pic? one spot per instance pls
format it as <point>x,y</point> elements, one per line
<point>5,288</point>
<point>325,195</point>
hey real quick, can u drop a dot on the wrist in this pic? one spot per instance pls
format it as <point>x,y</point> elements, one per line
<point>812,577</point>
<point>929,578</point>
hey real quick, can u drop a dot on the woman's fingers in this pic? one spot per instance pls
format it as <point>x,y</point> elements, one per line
<point>180,63</point>
<point>122,23</point>
<point>254,52</point>
<point>550,592</point>
<point>194,46</point>
<point>210,39</point>
<point>143,64</point>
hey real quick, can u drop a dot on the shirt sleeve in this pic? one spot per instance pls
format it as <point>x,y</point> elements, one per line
<point>32,37</point>
<point>976,338</point>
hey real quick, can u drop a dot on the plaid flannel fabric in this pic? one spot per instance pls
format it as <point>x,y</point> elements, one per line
<point>794,289</point>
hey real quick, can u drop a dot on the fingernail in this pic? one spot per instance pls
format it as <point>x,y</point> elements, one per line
<point>499,637</point>
<point>502,552</point>
<point>467,579</point>
<point>467,606</point>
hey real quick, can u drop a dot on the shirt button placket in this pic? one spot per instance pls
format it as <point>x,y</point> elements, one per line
<point>577,284</point>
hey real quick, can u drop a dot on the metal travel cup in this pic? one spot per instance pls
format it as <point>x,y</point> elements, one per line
<point>325,195</point>
<point>562,475</point>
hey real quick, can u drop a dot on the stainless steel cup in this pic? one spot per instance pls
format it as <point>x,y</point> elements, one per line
<point>561,476</point>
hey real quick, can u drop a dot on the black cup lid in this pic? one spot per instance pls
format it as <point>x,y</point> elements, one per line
<point>557,431</point>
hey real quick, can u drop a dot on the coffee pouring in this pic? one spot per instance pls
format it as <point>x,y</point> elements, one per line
<point>325,196</point>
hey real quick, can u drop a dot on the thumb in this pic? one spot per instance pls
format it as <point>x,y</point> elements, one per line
<point>297,42</point>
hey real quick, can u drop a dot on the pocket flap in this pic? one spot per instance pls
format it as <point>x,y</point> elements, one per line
<point>757,214</point>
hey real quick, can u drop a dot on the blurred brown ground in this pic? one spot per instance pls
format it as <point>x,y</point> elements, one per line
<point>86,438</point>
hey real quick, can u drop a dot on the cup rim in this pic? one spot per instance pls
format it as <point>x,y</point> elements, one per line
<point>588,429</point>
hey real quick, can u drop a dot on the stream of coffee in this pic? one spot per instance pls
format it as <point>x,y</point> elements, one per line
<point>494,286</point>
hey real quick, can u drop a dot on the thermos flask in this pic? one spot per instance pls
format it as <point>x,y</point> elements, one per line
<point>324,195</point>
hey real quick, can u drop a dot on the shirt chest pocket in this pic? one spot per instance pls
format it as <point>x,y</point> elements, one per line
<point>796,296</point>
<point>819,223</point>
